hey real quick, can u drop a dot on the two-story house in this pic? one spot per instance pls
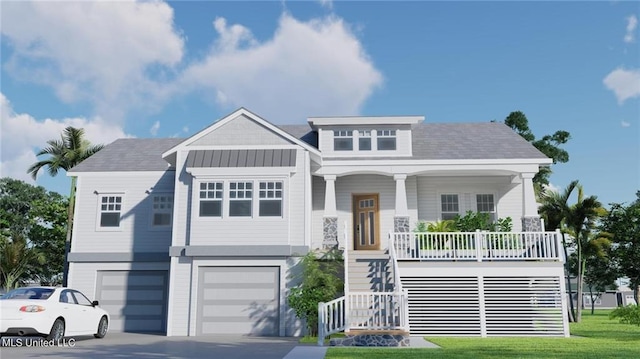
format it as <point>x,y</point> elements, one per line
<point>204,235</point>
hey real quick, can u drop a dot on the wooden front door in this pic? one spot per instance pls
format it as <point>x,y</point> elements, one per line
<point>366,222</point>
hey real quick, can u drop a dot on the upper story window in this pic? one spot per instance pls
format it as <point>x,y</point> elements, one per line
<point>449,206</point>
<point>364,140</point>
<point>485,204</point>
<point>270,199</point>
<point>240,199</point>
<point>110,211</point>
<point>211,199</point>
<point>386,140</point>
<point>162,209</point>
<point>343,140</point>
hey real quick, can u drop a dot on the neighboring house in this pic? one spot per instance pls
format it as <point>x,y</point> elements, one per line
<point>204,235</point>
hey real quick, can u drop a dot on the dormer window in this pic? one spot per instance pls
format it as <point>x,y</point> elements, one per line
<point>343,140</point>
<point>386,140</point>
<point>364,140</point>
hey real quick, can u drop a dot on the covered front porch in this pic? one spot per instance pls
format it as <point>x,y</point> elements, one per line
<point>371,205</point>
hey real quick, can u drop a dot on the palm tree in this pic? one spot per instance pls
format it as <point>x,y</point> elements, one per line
<point>64,154</point>
<point>554,209</point>
<point>580,221</point>
<point>15,259</point>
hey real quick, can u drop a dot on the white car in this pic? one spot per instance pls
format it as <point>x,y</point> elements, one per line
<point>52,312</point>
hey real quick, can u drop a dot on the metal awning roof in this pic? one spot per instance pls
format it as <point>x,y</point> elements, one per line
<point>242,158</point>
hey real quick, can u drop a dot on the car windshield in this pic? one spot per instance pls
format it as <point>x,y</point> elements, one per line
<point>28,293</point>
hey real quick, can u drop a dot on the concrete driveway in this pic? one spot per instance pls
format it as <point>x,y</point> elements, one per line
<point>146,346</point>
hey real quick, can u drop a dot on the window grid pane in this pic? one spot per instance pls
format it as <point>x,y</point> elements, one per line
<point>343,140</point>
<point>485,203</point>
<point>211,199</point>
<point>270,195</point>
<point>386,140</point>
<point>110,207</point>
<point>162,209</point>
<point>449,206</point>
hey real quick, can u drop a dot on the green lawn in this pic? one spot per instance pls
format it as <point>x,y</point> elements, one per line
<point>595,337</point>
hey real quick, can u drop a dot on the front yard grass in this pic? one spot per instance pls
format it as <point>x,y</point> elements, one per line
<point>595,337</point>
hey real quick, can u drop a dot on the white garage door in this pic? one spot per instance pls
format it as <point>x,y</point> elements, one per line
<point>238,300</point>
<point>135,300</point>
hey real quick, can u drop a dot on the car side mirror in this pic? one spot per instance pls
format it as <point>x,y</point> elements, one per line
<point>94,303</point>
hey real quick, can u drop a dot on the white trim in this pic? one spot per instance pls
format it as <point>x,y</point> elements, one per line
<point>314,122</point>
<point>255,200</point>
<point>308,206</point>
<point>240,171</point>
<point>99,196</point>
<point>446,193</point>
<point>117,173</point>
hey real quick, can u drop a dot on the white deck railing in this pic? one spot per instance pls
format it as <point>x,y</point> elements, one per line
<point>366,311</point>
<point>478,246</point>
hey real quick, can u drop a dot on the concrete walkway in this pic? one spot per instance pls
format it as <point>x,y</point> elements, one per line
<point>307,352</point>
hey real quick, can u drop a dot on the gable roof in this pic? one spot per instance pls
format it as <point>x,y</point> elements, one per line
<point>129,154</point>
<point>252,116</point>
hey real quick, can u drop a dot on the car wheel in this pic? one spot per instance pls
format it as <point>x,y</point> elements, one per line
<point>103,326</point>
<point>57,330</point>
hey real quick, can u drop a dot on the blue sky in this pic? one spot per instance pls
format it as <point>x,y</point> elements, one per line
<point>157,69</point>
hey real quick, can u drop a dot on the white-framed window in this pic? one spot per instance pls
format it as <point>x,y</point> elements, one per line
<point>485,204</point>
<point>161,210</point>
<point>270,199</point>
<point>110,211</point>
<point>211,199</point>
<point>449,206</point>
<point>240,199</point>
<point>343,140</point>
<point>364,140</point>
<point>386,140</point>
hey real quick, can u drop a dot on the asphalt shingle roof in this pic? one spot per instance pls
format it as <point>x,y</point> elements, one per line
<point>431,141</point>
<point>130,154</point>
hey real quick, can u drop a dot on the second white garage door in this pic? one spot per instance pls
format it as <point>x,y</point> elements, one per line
<point>238,300</point>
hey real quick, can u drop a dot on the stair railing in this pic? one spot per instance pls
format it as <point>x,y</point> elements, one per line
<point>397,284</point>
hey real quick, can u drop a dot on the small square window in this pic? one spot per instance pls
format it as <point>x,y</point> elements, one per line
<point>110,211</point>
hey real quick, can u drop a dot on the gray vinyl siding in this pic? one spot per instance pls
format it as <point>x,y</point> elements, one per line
<point>241,130</point>
<point>288,229</point>
<point>507,196</point>
<point>135,233</point>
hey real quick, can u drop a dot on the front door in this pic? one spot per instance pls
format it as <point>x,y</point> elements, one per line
<point>365,221</point>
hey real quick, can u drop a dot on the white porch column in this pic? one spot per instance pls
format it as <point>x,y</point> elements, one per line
<point>330,216</point>
<point>530,218</point>
<point>401,195</point>
<point>401,219</point>
<point>330,196</point>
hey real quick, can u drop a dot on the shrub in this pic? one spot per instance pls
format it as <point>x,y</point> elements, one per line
<point>472,221</point>
<point>627,315</point>
<point>319,282</point>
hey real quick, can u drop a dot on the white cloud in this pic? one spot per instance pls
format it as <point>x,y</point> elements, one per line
<point>624,83</point>
<point>154,129</point>
<point>97,51</point>
<point>624,123</point>
<point>551,187</point>
<point>309,68</point>
<point>632,23</point>
<point>22,136</point>
<point>326,4</point>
